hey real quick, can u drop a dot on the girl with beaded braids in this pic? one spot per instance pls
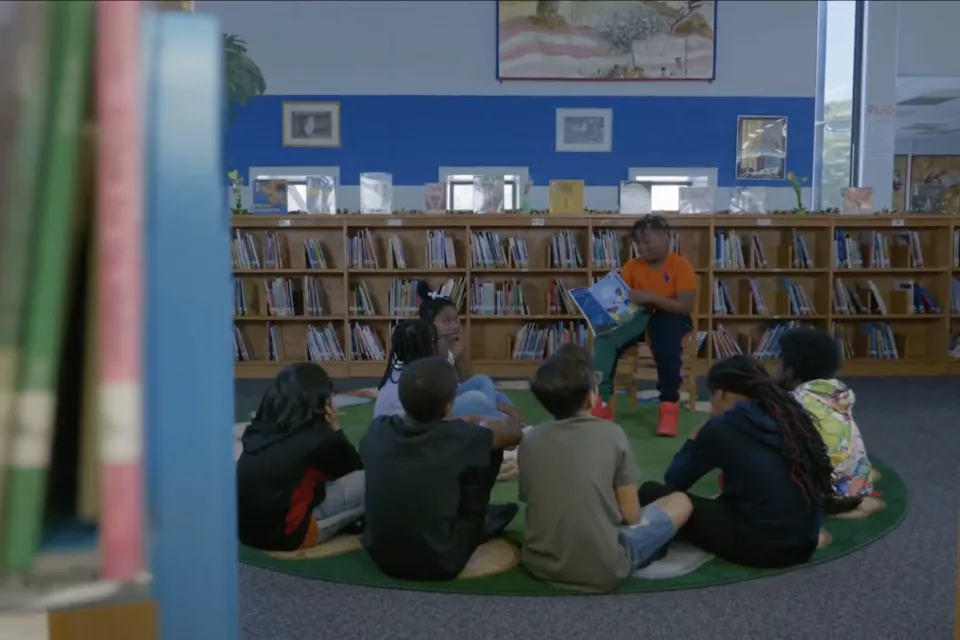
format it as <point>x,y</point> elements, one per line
<point>777,476</point>
<point>444,314</point>
<point>414,340</point>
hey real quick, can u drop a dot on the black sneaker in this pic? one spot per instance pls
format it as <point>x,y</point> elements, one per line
<point>498,517</point>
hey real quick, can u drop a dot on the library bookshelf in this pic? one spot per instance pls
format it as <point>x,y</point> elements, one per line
<point>880,260</point>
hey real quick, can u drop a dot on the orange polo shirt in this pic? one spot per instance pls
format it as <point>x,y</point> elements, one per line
<point>674,275</point>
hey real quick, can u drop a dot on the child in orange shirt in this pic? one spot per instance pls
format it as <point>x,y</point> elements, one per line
<point>665,284</point>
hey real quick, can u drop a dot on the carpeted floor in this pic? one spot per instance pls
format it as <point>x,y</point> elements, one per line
<point>900,587</point>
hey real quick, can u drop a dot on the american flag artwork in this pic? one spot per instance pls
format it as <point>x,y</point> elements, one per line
<point>598,40</point>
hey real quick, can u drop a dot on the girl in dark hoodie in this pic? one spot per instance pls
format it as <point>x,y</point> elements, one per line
<point>299,480</point>
<point>777,475</point>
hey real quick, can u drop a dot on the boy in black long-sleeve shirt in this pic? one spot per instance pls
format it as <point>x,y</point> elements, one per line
<point>429,478</point>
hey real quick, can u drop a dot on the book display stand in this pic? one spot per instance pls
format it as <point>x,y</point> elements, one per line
<point>885,285</point>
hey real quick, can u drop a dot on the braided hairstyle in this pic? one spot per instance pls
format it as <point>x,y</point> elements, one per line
<point>802,447</point>
<point>411,340</point>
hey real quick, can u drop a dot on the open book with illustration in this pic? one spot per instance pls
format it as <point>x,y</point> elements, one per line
<point>606,305</point>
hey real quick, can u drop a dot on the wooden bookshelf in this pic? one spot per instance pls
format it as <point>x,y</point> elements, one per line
<point>921,338</point>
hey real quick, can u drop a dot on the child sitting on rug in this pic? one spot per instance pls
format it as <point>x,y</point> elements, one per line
<point>429,479</point>
<point>585,529</point>
<point>777,476</point>
<point>299,480</point>
<point>443,313</point>
<point>809,361</point>
<point>665,284</point>
<point>413,340</point>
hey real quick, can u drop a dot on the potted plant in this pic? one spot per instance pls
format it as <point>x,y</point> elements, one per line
<point>797,184</point>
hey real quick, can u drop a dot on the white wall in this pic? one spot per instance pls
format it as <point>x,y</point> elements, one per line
<point>929,145</point>
<point>424,47</point>
<point>927,42</point>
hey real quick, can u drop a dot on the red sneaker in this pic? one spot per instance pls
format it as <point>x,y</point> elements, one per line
<point>669,419</point>
<point>602,410</point>
<point>720,481</point>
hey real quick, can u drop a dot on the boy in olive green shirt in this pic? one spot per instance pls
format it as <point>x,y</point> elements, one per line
<point>578,476</point>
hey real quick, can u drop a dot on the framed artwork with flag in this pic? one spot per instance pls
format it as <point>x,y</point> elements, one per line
<point>606,40</point>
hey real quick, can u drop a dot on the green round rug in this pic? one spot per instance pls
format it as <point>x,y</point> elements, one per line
<point>653,455</point>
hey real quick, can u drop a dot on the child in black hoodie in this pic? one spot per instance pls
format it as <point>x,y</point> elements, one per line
<point>299,480</point>
<point>777,475</point>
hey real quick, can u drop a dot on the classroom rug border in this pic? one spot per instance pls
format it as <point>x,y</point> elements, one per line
<point>498,585</point>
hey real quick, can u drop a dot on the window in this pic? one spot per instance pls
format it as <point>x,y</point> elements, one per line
<point>664,184</point>
<point>296,178</point>
<point>459,182</point>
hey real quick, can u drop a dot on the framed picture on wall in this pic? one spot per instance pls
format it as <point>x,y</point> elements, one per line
<point>761,147</point>
<point>311,124</point>
<point>585,130</point>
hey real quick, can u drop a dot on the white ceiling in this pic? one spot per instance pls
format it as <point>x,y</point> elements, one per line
<point>930,120</point>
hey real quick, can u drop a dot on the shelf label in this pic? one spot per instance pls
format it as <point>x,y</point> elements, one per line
<point>764,222</point>
<point>283,223</point>
<point>395,222</point>
<point>896,222</point>
<point>537,222</point>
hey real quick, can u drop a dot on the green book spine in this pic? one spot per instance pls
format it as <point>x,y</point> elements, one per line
<point>35,404</point>
<point>32,76</point>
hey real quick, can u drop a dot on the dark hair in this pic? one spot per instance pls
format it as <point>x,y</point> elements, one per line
<point>810,354</point>
<point>296,398</point>
<point>430,306</point>
<point>573,351</point>
<point>564,381</point>
<point>427,389</point>
<point>650,222</point>
<point>411,340</point>
<point>802,447</point>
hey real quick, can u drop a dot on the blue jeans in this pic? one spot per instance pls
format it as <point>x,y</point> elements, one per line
<point>487,386</point>
<point>342,506</point>
<point>474,403</point>
<point>644,539</point>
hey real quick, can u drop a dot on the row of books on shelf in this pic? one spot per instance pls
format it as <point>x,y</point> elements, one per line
<point>305,296</point>
<point>849,250</point>
<point>881,343</point>
<point>488,250</point>
<point>799,303</point>
<point>730,252</point>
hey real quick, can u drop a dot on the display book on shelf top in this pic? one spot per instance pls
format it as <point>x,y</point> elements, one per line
<point>874,281</point>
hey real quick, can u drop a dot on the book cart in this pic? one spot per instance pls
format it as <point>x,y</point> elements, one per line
<point>883,261</point>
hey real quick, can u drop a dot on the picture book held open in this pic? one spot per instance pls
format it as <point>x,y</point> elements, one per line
<point>605,305</point>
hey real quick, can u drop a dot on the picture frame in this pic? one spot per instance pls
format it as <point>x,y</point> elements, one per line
<point>584,130</point>
<point>761,148</point>
<point>311,124</point>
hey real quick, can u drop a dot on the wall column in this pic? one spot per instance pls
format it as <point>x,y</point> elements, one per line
<point>879,99</point>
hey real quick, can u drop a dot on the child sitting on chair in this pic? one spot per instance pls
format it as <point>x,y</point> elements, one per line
<point>809,361</point>
<point>299,480</point>
<point>585,530</point>
<point>443,313</point>
<point>665,285</point>
<point>430,477</point>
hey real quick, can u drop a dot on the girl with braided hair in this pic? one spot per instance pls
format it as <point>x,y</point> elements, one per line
<point>414,340</point>
<point>444,314</point>
<point>777,476</point>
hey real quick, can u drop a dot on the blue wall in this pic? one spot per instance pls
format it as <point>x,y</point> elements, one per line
<point>411,136</point>
<point>418,87</point>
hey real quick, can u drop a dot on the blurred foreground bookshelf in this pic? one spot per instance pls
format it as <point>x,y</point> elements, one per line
<point>330,288</point>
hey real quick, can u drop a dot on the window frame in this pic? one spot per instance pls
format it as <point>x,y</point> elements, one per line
<point>448,176</point>
<point>673,176</point>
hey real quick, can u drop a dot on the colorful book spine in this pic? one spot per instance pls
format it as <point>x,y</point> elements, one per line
<point>120,295</point>
<point>32,20</point>
<point>47,300</point>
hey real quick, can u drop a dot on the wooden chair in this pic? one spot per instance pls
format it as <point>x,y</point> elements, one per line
<point>637,362</point>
